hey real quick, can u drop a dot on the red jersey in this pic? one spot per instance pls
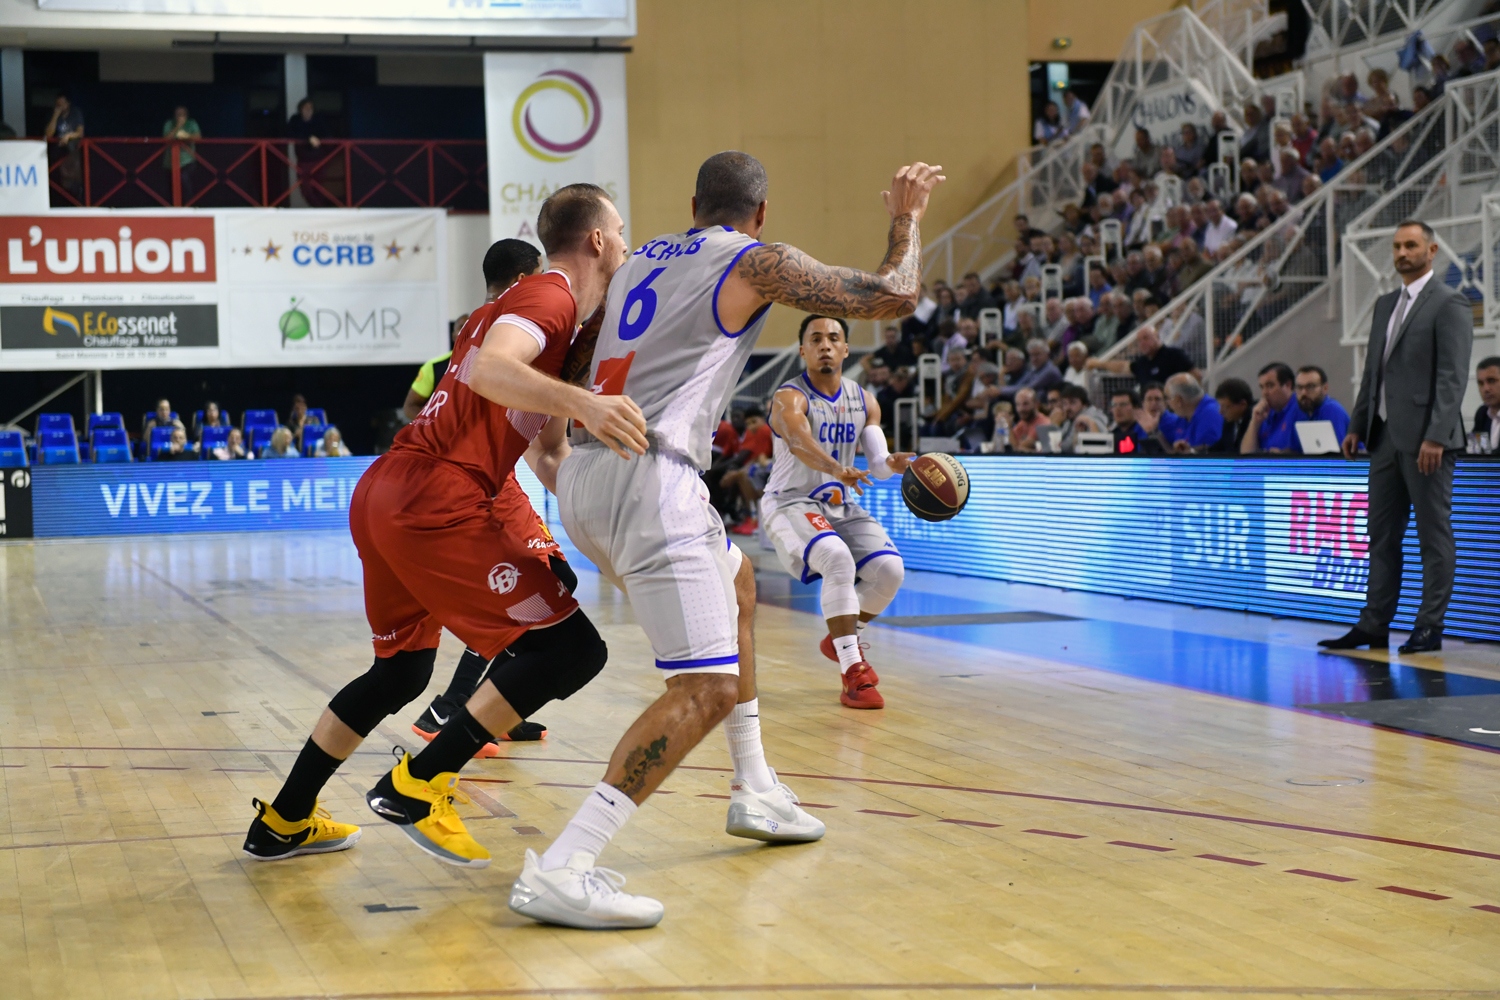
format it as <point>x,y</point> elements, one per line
<point>757,441</point>
<point>462,427</point>
<point>726,440</point>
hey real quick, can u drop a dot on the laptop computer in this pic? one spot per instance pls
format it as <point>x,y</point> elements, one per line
<point>1317,437</point>
<point>1093,443</point>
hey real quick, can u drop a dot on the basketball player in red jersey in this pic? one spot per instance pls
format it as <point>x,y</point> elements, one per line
<point>436,554</point>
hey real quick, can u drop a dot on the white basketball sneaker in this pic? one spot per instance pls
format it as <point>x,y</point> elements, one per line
<point>580,895</point>
<point>772,816</point>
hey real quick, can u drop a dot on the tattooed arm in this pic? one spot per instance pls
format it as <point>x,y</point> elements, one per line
<point>780,273</point>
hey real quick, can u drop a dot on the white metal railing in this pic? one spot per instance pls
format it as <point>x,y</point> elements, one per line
<point>1240,24</point>
<point>1339,25</point>
<point>1371,33</point>
<point>1172,47</point>
<point>1428,167</point>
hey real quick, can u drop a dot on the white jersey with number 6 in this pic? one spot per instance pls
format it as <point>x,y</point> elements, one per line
<point>663,343</point>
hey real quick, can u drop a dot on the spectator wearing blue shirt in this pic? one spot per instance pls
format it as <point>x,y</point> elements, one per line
<point>1272,419</point>
<point>1192,421</point>
<point>1314,403</point>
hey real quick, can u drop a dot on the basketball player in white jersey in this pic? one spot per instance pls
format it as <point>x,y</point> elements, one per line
<point>681,318</point>
<point>808,512</point>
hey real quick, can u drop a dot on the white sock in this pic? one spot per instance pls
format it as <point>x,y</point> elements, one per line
<point>743,730</point>
<point>847,646</point>
<point>592,827</point>
<point>859,633</point>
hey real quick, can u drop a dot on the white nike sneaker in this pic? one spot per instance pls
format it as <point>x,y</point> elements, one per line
<point>580,895</point>
<point>773,816</point>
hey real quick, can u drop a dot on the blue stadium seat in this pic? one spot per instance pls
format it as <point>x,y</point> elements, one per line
<point>151,413</point>
<point>160,438</point>
<point>258,436</point>
<point>54,422</point>
<point>57,447</point>
<point>317,415</point>
<point>108,420</point>
<point>214,437</point>
<point>110,445</point>
<point>259,418</point>
<point>12,449</point>
<point>312,436</point>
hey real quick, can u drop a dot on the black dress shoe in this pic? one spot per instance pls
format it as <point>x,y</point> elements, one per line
<point>1355,638</point>
<point>1424,640</point>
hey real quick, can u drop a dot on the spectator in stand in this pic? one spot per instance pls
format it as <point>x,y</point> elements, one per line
<point>161,418</point>
<point>177,448</point>
<point>893,352</point>
<point>1467,60</point>
<point>1485,438</point>
<point>66,127</point>
<point>1304,138</point>
<point>947,305</point>
<point>1191,149</point>
<point>1040,373</point>
<point>1105,331</point>
<point>1156,363</point>
<point>975,298</point>
<point>212,417</point>
<point>307,131</point>
<point>1072,414</point>
<point>232,448</point>
<point>1082,326</point>
<point>1192,422</point>
<point>1381,101</point>
<point>1130,437</point>
<point>281,446</point>
<point>1049,127</point>
<point>1292,176</point>
<point>740,484</point>
<point>1073,219</point>
<point>1145,159</point>
<point>332,445</point>
<point>1218,228</point>
<point>1028,418</point>
<point>1314,403</point>
<point>1256,142</point>
<point>1235,402</point>
<point>1078,356</point>
<point>1153,405</point>
<point>1055,320</point>
<point>1171,167</point>
<point>182,130</point>
<point>298,415</point>
<point>959,339</point>
<point>1075,112</point>
<point>1012,367</point>
<point>1010,312</point>
<point>921,325</point>
<point>1099,286</point>
<point>726,441</point>
<point>1025,329</point>
<point>898,387</point>
<point>1272,419</point>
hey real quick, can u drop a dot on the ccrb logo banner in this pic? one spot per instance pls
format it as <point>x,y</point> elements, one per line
<point>110,328</point>
<point>1317,537</point>
<point>15,503</point>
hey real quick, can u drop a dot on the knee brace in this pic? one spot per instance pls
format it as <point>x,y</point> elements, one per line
<point>549,663</point>
<point>879,579</point>
<point>391,684</point>
<point>563,572</point>
<point>830,559</point>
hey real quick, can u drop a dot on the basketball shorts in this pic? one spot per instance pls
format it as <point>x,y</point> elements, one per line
<point>796,524</point>
<point>512,505</point>
<point>439,552</point>
<point>646,523</point>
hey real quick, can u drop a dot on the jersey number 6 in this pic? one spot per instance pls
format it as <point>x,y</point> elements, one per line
<point>643,296</point>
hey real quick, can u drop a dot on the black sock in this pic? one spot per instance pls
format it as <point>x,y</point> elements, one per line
<point>451,749</point>
<point>299,796</point>
<point>466,678</point>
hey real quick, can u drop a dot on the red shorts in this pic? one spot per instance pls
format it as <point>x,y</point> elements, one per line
<point>438,552</point>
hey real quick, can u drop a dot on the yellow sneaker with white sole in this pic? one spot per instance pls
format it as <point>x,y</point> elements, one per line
<point>272,838</point>
<point>424,812</point>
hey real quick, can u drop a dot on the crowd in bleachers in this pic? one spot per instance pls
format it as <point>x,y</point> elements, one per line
<point>164,436</point>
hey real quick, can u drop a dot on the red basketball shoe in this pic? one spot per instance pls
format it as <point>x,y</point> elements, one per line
<point>826,647</point>
<point>860,690</point>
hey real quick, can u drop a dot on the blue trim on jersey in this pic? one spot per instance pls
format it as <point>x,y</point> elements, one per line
<point>724,277</point>
<point>837,484</point>
<point>872,555</point>
<point>693,232</point>
<point>806,577</point>
<point>832,399</point>
<point>707,661</point>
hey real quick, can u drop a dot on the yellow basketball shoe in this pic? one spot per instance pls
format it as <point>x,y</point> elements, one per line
<point>424,812</point>
<point>272,838</point>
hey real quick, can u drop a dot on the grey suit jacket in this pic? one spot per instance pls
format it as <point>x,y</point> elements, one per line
<point>1427,372</point>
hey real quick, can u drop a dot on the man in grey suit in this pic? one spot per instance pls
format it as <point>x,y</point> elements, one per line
<point>1409,415</point>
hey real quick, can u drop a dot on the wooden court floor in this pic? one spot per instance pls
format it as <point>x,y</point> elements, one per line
<point>1009,824</point>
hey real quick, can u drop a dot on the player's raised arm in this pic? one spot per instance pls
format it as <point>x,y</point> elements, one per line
<point>503,374</point>
<point>789,419</point>
<point>777,272</point>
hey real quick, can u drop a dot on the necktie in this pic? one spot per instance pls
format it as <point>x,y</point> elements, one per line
<point>1390,341</point>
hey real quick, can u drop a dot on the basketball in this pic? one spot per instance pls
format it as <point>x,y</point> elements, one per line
<point>935,487</point>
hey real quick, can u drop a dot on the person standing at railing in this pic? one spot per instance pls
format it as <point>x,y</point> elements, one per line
<point>1409,415</point>
<point>307,129</point>
<point>1075,113</point>
<point>183,132</point>
<point>66,127</point>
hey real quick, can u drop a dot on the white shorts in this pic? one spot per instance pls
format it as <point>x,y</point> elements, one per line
<point>646,523</point>
<point>796,524</point>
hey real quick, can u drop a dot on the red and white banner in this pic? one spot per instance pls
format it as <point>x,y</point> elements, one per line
<point>230,288</point>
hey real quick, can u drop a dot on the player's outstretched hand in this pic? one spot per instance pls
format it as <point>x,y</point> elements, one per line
<point>855,479</point>
<point>618,422</point>
<point>898,461</point>
<point>910,189</point>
